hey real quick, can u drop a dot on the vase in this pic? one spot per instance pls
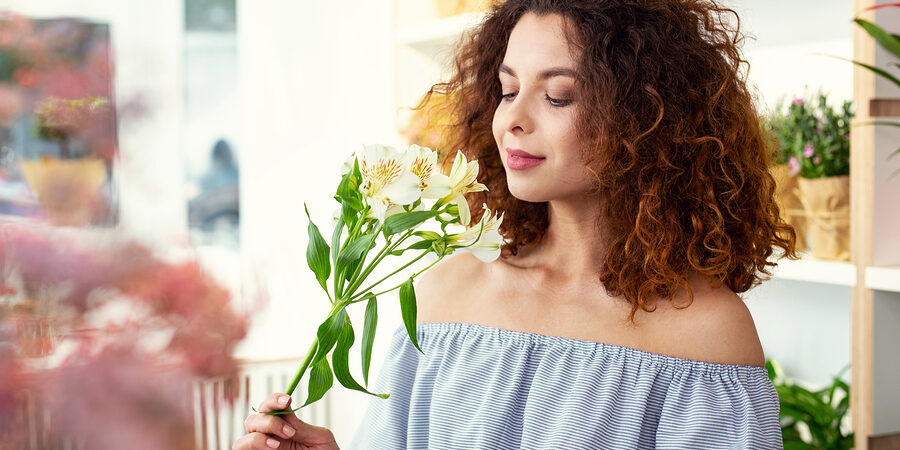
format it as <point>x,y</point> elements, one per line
<point>787,195</point>
<point>827,204</point>
<point>68,190</point>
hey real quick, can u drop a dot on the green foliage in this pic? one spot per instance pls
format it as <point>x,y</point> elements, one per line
<point>821,412</point>
<point>813,137</point>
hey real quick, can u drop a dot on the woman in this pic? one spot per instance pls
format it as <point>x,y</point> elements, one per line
<point>623,146</point>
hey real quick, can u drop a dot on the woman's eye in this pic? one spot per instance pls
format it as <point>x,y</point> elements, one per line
<point>507,96</point>
<point>558,101</point>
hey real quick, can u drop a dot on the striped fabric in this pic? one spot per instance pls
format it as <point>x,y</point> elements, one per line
<point>487,388</point>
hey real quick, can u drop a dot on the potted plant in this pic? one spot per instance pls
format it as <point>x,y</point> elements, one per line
<point>55,95</point>
<point>812,418</point>
<point>816,140</point>
<point>785,170</point>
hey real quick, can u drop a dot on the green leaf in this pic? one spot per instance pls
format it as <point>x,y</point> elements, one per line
<point>336,239</point>
<point>402,222</point>
<point>876,70</point>
<point>328,333</point>
<point>355,250</point>
<point>348,192</point>
<point>320,381</point>
<point>369,335</point>
<point>427,235</point>
<point>408,311</point>
<point>770,369</point>
<point>421,245</point>
<point>885,39</point>
<point>349,215</point>
<point>317,253</point>
<point>341,360</point>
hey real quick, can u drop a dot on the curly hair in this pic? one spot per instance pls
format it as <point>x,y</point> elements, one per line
<point>669,130</point>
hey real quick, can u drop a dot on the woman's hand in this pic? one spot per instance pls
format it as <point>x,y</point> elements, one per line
<point>284,432</point>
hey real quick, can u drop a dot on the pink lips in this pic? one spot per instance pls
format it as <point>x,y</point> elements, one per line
<point>521,160</point>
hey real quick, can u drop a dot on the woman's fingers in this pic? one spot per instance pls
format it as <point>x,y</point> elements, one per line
<point>256,441</point>
<point>275,402</point>
<point>271,424</point>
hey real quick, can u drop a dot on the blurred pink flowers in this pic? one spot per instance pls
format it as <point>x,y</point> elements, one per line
<point>793,166</point>
<point>106,338</point>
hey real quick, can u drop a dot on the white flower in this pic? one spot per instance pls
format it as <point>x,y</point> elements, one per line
<point>385,180</point>
<point>463,179</point>
<point>482,239</point>
<point>422,162</point>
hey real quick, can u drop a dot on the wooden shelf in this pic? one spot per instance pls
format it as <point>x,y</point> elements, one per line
<point>839,273</point>
<point>883,278</point>
<point>436,34</point>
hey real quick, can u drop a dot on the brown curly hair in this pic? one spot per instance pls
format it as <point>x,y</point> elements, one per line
<point>670,131</point>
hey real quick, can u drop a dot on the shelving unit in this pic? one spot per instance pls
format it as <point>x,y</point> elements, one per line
<point>816,271</point>
<point>872,277</point>
<point>883,279</point>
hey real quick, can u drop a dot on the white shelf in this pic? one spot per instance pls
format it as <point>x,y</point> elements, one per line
<point>437,33</point>
<point>839,273</point>
<point>883,278</point>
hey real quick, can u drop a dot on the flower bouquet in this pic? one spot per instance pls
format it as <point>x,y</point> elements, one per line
<point>385,196</point>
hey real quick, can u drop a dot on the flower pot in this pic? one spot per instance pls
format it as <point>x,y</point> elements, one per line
<point>787,195</point>
<point>67,189</point>
<point>827,204</point>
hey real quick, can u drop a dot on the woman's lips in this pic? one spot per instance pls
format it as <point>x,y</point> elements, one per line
<point>521,160</point>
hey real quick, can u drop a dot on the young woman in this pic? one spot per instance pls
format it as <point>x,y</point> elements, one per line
<point>621,142</point>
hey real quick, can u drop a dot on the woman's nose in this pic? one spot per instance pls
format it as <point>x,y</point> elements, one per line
<point>518,116</point>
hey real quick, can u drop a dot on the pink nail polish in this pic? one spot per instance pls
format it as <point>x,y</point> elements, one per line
<point>272,443</point>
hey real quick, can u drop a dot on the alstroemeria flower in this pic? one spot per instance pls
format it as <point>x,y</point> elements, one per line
<point>482,239</point>
<point>385,180</point>
<point>463,179</point>
<point>422,162</point>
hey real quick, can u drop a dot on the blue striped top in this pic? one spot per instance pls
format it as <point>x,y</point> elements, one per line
<point>482,387</point>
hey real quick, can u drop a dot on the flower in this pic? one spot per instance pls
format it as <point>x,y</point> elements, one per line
<point>422,162</point>
<point>385,180</point>
<point>808,150</point>
<point>347,167</point>
<point>817,159</point>
<point>463,177</point>
<point>798,101</point>
<point>793,166</point>
<point>483,239</point>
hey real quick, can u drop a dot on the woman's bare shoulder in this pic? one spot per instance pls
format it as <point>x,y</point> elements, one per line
<point>717,327</point>
<point>440,291</point>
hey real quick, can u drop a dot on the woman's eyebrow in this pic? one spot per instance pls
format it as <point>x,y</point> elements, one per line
<point>549,73</point>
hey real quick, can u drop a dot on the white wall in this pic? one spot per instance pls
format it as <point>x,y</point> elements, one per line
<point>316,81</point>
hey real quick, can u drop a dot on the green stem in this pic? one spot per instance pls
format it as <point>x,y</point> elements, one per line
<point>381,255</point>
<point>355,279</point>
<point>353,300</point>
<point>351,235</point>
<point>303,367</point>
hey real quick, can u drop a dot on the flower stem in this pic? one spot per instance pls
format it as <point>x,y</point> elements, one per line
<point>303,367</point>
<point>394,273</point>
<point>380,256</point>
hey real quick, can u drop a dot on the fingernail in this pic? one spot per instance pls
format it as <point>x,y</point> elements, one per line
<point>283,400</point>
<point>272,443</point>
<point>288,431</point>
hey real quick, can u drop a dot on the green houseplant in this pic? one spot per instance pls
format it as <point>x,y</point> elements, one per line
<point>815,140</point>
<point>819,414</point>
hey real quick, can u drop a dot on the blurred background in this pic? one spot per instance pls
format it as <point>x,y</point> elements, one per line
<point>199,128</point>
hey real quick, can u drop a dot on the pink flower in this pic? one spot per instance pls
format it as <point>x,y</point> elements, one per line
<point>808,150</point>
<point>798,101</point>
<point>793,166</point>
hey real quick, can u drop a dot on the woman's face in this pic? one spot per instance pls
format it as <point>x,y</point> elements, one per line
<point>537,113</point>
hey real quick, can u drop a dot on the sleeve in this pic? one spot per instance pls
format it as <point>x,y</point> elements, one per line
<point>729,409</point>
<point>384,425</point>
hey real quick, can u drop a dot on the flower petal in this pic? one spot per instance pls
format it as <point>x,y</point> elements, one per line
<point>436,187</point>
<point>465,216</point>
<point>404,190</point>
